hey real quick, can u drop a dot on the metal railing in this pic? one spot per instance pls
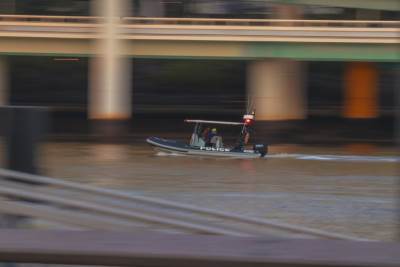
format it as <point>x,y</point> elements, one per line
<point>205,21</point>
<point>41,18</point>
<point>102,206</point>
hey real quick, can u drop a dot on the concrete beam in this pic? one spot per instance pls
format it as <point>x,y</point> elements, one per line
<point>252,51</point>
<point>207,50</point>
<point>46,46</point>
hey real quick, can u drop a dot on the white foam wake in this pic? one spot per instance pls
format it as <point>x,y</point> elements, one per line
<point>169,154</point>
<point>352,158</point>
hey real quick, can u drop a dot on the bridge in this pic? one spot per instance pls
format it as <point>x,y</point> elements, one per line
<point>274,48</point>
<point>244,39</point>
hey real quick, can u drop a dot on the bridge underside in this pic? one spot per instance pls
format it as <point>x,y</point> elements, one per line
<point>390,5</point>
<point>207,49</point>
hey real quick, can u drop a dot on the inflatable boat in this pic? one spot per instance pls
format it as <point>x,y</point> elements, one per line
<point>205,141</point>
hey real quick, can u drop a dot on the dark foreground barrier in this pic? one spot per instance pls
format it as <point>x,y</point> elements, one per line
<point>165,250</point>
<point>22,127</point>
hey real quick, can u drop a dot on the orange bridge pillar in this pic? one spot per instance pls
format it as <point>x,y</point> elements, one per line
<point>361,91</point>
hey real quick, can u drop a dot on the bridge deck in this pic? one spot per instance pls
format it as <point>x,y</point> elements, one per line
<point>243,39</point>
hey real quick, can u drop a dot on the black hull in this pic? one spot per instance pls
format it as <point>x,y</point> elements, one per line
<point>179,147</point>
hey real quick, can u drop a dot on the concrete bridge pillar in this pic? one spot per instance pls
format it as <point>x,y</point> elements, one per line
<point>276,89</point>
<point>361,91</point>
<point>109,74</point>
<point>4,81</point>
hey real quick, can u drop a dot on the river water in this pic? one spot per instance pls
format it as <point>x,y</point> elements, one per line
<point>350,189</point>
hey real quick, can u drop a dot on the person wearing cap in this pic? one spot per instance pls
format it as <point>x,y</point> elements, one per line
<point>215,139</point>
<point>210,134</point>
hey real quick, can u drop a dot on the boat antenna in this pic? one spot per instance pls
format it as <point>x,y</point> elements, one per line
<point>249,107</point>
<point>249,111</point>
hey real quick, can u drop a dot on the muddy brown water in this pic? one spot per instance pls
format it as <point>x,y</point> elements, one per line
<point>348,189</point>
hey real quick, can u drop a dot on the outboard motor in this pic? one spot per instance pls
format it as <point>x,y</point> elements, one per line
<point>261,148</point>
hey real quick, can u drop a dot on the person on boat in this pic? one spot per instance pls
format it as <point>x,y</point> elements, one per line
<point>210,134</point>
<point>243,139</point>
<point>205,133</point>
<point>246,135</point>
<point>213,132</point>
<point>215,140</point>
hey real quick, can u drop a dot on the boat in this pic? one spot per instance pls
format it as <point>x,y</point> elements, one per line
<point>197,146</point>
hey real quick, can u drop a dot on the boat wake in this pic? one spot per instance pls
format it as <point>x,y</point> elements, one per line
<point>348,158</point>
<point>169,154</point>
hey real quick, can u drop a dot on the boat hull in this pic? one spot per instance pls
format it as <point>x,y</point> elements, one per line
<point>182,148</point>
